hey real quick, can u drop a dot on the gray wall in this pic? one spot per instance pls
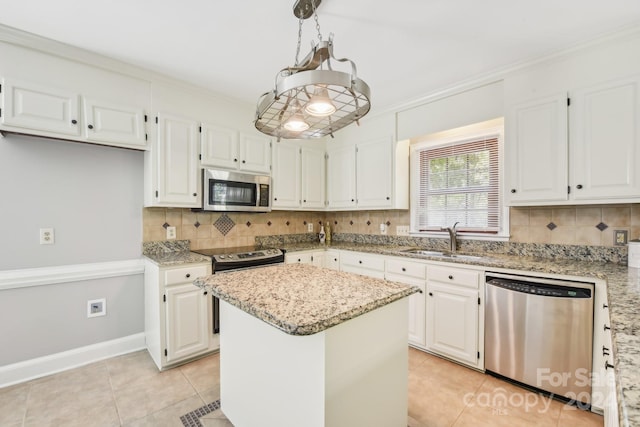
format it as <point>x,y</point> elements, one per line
<point>92,196</point>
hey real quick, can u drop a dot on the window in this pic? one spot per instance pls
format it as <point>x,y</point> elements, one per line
<point>457,180</point>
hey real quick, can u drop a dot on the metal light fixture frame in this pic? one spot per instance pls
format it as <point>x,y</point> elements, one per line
<point>349,94</point>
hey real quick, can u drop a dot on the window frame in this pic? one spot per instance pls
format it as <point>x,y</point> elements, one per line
<point>485,130</point>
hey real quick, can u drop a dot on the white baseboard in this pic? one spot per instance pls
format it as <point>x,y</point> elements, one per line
<point>53,363</point>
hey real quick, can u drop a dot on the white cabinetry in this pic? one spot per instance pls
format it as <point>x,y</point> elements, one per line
<point>227,148</point>
<point>175,161</point>
<point>453,301</point>
<point>583,148</point>
<point>298,176</point>
<point>414,274</point>
<point>313,257</point>
<point>332,259</point>
<point>361,263</point>
<point>178,316</point>
<point>368,175</point>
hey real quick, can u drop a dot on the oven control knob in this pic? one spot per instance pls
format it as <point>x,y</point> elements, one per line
<point>221,256</point>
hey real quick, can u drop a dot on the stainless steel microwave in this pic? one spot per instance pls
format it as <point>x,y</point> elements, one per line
<point>235,192</point>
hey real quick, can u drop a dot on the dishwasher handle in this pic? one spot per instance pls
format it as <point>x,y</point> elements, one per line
<point>541,289</point>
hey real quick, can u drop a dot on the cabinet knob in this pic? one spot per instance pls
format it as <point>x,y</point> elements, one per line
<point>205,292</point>
<point>74,122</point>
<point>605,306</point>
<point>579,186</point>
<point>430,294</point>
<point>305,200</point>
<point>606,328</point>
<point>353,200</point>
<point>605,351</point>
<point>451,277</point>
<point>299,260</point>
<point>359,262</point>
<point>235,160</point>
<point>244,161</point>
<point>513,190</point>
<point>404,269</point>
<point>607,365</point>
<point>90,126</point>
<point>335,259</point>
<point>275,199</point>
<point>195,194</point>
<point>188,275</point>
<point>388,198</point>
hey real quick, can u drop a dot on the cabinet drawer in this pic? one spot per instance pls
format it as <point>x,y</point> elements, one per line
<point>406,268</point>
<point>187,274</point>
<point>355,259</point>
<point>455,276</point>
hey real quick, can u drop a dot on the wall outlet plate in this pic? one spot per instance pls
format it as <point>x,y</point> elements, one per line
<point>171,233</point>
<point>402,230</point>
<point>383,228</point>
<point>620,237</point>
<point>47,237</point>
<point>97,307</point>
<point>310,227</point>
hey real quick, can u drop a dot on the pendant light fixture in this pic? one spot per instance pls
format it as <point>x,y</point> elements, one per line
<point>311,99</point>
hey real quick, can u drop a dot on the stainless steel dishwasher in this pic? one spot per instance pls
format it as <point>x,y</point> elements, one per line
<point>539,332</point>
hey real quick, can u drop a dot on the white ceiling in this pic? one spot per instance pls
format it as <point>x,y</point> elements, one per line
<point>404,49</point>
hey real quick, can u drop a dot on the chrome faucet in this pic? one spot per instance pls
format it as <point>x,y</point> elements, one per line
<point>453,244</point>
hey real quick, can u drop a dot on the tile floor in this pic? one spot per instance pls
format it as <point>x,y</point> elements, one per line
<point>129,391</point>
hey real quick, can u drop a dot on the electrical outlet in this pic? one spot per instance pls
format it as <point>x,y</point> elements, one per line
<point>402,230</point>
<point>46,236</point>
<point>620,237</point>
<point>171,233</point>
<point>310,227</point>
<point>97,307</point>
<point>383,228</point>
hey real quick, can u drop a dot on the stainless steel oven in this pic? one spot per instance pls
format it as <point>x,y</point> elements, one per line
<point>233,259</point>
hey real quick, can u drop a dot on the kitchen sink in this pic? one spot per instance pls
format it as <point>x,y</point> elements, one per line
<point>440,254</point>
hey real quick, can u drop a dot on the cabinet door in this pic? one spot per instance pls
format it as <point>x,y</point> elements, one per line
<point>114,124</point>
<point>255,154</point>
<point>536,151</point>
<point>298,258</point>
<point>313,177</point>
<point>418,317</point>
<point>452,322</point>
<point>332,260</point>
<point>605,141</point>
<point>219,146</point>
<point>177,157</point>
<point>317,258</point>
<point>31,106</point>
<point>341,177</point>
<point>286,175</point>
<point>374,174</point>
<point>187,321</point>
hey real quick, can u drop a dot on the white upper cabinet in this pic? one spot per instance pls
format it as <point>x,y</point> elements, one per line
<point>176,157</point>
<point>538,148</point>
<point>286,177</point>
<point>29,106</point>
<point>298,176</point>
<point>219,146</point>
<point>115,124</point>
<point>583,148</point>
<point>341,177</point>
<point>227,148</point>
<point>49,96</point>
<point>368,175</point>
<point>605,141</point>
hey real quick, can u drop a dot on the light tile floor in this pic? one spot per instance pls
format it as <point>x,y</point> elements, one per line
<point>129,391</point>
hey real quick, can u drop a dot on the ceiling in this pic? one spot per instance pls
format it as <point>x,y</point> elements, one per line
<point>404,49</point>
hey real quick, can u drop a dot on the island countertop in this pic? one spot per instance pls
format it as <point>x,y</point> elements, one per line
<point>302,299</point>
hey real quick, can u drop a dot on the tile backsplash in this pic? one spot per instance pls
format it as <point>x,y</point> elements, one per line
<point>593,225</point>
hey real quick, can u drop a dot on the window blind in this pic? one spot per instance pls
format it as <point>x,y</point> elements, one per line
<point>459,183</point>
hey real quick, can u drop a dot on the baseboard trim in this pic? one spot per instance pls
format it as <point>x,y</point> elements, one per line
<point>42,366</point>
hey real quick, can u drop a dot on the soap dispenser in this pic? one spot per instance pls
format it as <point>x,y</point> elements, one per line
<point>321,235</point>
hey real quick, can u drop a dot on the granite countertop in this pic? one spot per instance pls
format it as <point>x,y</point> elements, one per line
<point>172,253</point>
<point>623,294</point>
<point>302,299</point>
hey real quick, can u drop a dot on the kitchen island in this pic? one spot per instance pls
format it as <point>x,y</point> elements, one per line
<point>301,345</point>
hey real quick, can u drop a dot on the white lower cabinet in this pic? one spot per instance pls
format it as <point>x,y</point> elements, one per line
<point>332,259</point>
<point>453,315</point>
<point>360,263</point>
<point>313,257</point>
<point>178,314</point>
<point>414,274</point>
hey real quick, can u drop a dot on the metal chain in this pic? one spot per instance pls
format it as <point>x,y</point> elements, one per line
<point>300,20</point>
<point>315,16</point>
